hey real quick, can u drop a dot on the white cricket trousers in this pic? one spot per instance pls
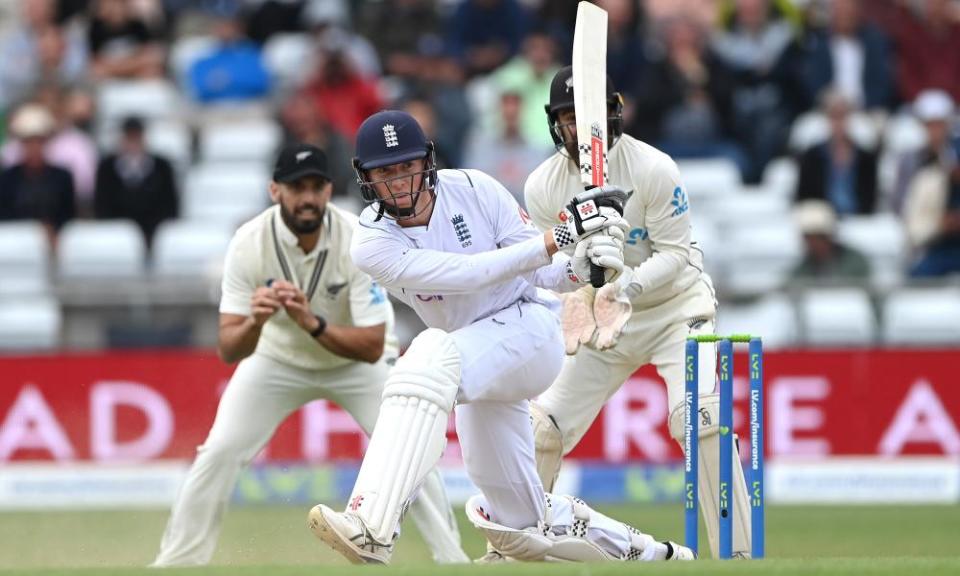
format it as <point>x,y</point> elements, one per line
<point>651,336</point>
<point>260,395</point>
<point>506,359</point>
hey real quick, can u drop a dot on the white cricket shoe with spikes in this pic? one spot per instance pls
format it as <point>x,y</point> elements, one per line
<point>345,533</point>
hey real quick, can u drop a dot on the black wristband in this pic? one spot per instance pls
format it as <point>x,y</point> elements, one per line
<point>321,326</point>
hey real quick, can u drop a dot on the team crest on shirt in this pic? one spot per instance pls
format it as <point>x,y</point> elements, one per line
<point>461,229</point>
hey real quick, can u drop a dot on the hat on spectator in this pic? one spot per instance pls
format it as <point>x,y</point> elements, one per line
<point>816,217</point>
<point>32,121</point>
<point>932,105</point>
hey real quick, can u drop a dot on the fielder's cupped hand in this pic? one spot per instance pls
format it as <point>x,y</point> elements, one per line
<point>294,301</point>
<point>264,304</point>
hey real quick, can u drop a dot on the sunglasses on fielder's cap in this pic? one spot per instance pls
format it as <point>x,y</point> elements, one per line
<point>298,161</point>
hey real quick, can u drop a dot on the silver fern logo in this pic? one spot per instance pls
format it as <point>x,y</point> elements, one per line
<point>390,136</point>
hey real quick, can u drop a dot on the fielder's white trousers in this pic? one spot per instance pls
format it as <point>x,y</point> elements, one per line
<point>651,336</point>
<point>260,395</point>
<point>506,359</point>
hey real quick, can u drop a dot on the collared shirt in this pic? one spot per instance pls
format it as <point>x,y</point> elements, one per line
<point>264,249</point>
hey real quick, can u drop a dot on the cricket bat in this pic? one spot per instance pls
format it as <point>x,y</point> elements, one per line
<point>590,101</point>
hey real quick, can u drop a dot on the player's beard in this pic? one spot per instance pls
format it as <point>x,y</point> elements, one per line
<point>301,226</point>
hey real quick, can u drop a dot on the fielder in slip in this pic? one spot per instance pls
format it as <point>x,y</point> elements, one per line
<point>304,323</point>
<point>645,317</point>
<point>456,247</point>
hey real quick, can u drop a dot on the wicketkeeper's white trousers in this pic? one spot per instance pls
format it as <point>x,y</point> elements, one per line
<point>260,395</point>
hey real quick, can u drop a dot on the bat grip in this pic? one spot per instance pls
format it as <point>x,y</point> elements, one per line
<point>597,276</point>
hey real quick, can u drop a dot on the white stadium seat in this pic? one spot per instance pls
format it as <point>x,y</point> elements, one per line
<point>145,98</point>
<point>288,58</point>
<point>780,177</point>
<point>773,318</point>
<point>31,324</point>
<point>189,248</point>
<point>247,141</point>
<point>922,317</point>
<point>100,249</point>
<point>24,259</point>
<point>228,193</point>
<point>758,258</point>
<point>750,207</point>
<point>882,239</point>
<point>709,181</point>
<point>837,317</point>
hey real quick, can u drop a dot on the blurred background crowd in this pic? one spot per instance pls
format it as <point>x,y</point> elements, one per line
<point>817,139</point>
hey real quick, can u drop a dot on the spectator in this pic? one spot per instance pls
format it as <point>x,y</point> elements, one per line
<point>234,70</point>
<point>135,184</point>
<point>37,51</point>
<point>824,258</point>
<point>528,75</point>
<point>339,90</point>
<point>484,34</point>
<point>329,22</point>
<point>35,189</point>
<point>928,48</point>
<point>625,44</point>
<point>935,109</point>
<point>757,44</point>
<point>268,17</point>
<point>121,45</point>
<point>67,147</point>
<point>852,56</point>
<point>839,171</point>
<point>426,116</point>
<point>507,154</point>
<point>685,99</point>
<point>399,31</point>
<point>304,123</point>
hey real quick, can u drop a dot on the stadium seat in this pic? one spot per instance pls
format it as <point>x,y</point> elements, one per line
<point>31,324</point>
<point>24,259</point>
<point>248,141</point>
<point>903,133</point>
<point>750,207</point>
<point>808,130</point>
<point>184,52</point>
<point>172,140</point>
<point>780,177</point>
<point>100,249</point>
<point>287,57</point>
<point>773,318</point>
<point>709,181</point>
<point>882,239</point>
<point>758,258</point>
<point>837,317</point>
<point>145,98</point>
<point>189,248</point>
<point>228,193</point>
<point>922,317</point>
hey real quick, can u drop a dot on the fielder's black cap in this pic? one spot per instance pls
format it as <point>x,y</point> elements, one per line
<point>561,90</point>
<point>298,160</point>
<point>389,137</point>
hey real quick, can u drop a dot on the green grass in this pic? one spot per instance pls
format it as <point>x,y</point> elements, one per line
<point>913,540</point>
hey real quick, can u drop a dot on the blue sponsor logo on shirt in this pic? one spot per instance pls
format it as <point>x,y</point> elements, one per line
<point>636,235</point>
<point>679,201</point>
<point>376,294</point>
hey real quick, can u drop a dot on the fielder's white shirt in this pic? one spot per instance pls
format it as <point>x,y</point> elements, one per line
<point>478,255</point>
<point>264,248</point>
<point>662,257</point>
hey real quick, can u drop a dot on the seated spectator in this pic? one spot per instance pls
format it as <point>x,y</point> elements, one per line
<point>935,109</point>
<point>35,50</point>
<point>304,123</point>
<point>928,48</point>
<point>344,95</point>
<point>234,70</point>
<point>684,105</point>
<point>838,170</point>
<point>34,189</point>
<point>528,75</point>
<point>67,147</point>
<point>329,22</point>
<point>852,56</point>
<point>398,30</point>
<point>758,45</point>
<point>626,21</point>
<point>506,154</point>
<point>121,45</point>
<point>932,218</point>
<point>425,114</point>
<point>135,184</point>
<point>484,34</point>
<point>824,258</point>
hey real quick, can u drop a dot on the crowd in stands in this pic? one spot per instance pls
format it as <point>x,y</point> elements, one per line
<point>826,86</point>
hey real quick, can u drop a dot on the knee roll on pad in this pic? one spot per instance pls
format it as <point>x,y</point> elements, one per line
<point>429,370</point>
<point>549,446</point>
<point>709,418</point>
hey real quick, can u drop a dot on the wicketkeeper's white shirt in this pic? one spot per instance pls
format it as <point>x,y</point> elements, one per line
<point>264,248</point>
<point>659,247</point>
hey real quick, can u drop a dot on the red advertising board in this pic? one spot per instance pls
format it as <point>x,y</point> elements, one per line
<point>159,405</point>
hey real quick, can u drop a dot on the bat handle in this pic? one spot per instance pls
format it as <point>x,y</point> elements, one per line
<point>597,276</point>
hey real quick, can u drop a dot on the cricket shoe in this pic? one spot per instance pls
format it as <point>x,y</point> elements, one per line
<point>491,557</point>
<point>345,533</point>
<point>678,552</point>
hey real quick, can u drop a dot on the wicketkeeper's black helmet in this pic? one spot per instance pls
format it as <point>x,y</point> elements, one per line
<point>561,98</point>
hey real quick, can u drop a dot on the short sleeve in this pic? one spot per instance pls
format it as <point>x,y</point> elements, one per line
<point>238,285</point>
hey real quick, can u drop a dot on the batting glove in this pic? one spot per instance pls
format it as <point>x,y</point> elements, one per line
<point>604,250</point>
